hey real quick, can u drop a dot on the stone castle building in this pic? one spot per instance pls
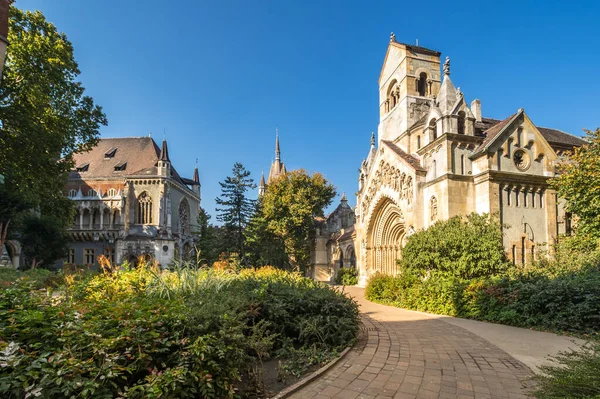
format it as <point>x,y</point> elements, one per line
<point>436,156</point>
<point>131,202</point>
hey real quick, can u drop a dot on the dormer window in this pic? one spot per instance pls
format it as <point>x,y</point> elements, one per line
<point>92,193</point>
<point>121,166</point>
<point>110,153</point>
<point>83,168</point>
<point>72,193</point>
<point>111,192</point>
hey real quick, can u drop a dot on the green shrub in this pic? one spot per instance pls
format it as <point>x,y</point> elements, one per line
<point>465,247</point>
<point>147,333</point>
<point>576,375</point>
<point>36,278</point>
<point>567,302</point>
<point>346,276</point>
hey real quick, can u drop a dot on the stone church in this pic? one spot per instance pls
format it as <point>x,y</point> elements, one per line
<point>435,156</point>
<point>131,202</point>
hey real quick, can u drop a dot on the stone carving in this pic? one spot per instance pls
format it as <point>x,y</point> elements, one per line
<point>392,37</point>
<point>418,110</point>
<point>447,66</point>
<point>433,208</point>
<point>390,176</point>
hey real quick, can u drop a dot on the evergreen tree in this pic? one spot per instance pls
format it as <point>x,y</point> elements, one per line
<point>236,209</point>
<point>264,247</point>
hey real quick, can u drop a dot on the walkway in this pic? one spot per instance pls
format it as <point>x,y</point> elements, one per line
<point>405,354</point>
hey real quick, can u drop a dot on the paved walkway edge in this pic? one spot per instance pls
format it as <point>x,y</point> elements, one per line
<point>314,375</point>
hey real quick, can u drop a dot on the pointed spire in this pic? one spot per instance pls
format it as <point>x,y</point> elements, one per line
<point>344,198</point>
<point>196,177</point>
<point>164,151</point>
<point>277,151</point>
<point>262,179</point>
<point>447,67</point>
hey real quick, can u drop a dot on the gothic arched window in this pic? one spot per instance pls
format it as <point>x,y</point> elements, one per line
<point>112,192</point>
<point>422,84</point>
<point>433,208</point>
<point>72,193</point>
<point>184,217</point>
<point>461,122</point>
<point>393,95</point>
<point>144,209</point>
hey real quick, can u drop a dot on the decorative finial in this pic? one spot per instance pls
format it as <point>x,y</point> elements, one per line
<point>196,162</point>
<point>392,37</point>
<point>164,133</point>
<point>447,66</point>
<point>150,134</point>
<point>344,197</point>
<point>372,138</point>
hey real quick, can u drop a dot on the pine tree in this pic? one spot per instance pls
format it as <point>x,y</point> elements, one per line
<point>236,209</point>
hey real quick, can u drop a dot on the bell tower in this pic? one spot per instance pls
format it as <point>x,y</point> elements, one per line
<point>409,80</point>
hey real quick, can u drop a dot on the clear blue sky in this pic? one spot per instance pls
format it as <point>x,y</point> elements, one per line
<point>220,76</point>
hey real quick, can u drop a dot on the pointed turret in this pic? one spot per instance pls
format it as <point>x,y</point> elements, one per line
<point>277,150</point>
<point>262,187</point>
<point>344,198</point>
<point>277,167</point>
<point>447,96</point>
<point>164,152</point>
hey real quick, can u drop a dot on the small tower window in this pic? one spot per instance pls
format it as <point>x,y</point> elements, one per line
<point>432,130</point>
<point>461,122</point>
<point>144,209</point>
<point>418,142</point>
<point>422,84</point>
<point>393,96</point>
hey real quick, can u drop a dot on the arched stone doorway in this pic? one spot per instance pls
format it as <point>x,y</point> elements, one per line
<point>384,238</point>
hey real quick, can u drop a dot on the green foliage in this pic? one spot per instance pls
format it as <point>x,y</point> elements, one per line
<point>35,279</point>
<point>290,205</point>
<point>44,240</point>
<point>575,376</point>
<point>236,209</point>
<point>466,248</point>
<point>264,247</point>
<point>212,240</point>
<point>347,276</point>
<point>46,118</point>
<point>147,333</point>
<point>579,183</point>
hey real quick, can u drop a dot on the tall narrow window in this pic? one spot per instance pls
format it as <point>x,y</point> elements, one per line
<point>462,164</point>
<point>433,169</point>
<point>568,223</point>
<point>184,217</point>
<point>144,209</point>
<point>523,251</point>
<point>461,122</point>
<point>514,255</point>
<point>71,256</point>
<point>109,252</point>
<point>89,256</point>
<point>418,142</point>
<point>508,197</point>
<point>432,130</point>
<point>422,84</point>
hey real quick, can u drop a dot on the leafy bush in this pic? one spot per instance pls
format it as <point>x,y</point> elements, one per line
<point>346,276</point>
<point>465,247</point>
<point>37,278</point>
<point>567,302</point>
<point>147,333</point>
<point>576,376</point>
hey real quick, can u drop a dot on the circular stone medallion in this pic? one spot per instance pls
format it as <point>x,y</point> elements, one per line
<point>521,160</point>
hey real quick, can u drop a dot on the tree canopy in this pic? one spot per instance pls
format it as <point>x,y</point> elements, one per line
<point>45,115</point>
<point>578,183</point>
<point>290,206</point>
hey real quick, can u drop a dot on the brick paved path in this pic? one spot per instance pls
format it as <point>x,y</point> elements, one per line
<point>405,355</point>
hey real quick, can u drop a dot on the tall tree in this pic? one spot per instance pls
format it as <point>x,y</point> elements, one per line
<point>263,247</point>
<point>578,183</point>
<point>236,208</point>
<point>290,206</point>
<point>44,240</point>
<point>45,116</point>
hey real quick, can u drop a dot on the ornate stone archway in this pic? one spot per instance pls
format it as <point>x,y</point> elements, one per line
<point>384,238</point>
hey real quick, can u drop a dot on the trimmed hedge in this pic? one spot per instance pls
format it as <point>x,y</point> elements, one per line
<point>566,302</point>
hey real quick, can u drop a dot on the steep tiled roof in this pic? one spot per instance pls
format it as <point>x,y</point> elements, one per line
<point>140,153</point>
<point>412,161</point>
<point>490,128</point>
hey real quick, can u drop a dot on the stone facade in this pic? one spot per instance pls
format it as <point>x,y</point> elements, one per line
<point>436,157</point>
<point>131,202</point>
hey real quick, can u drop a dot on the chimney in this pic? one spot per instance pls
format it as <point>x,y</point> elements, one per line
<point>476,109</point>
